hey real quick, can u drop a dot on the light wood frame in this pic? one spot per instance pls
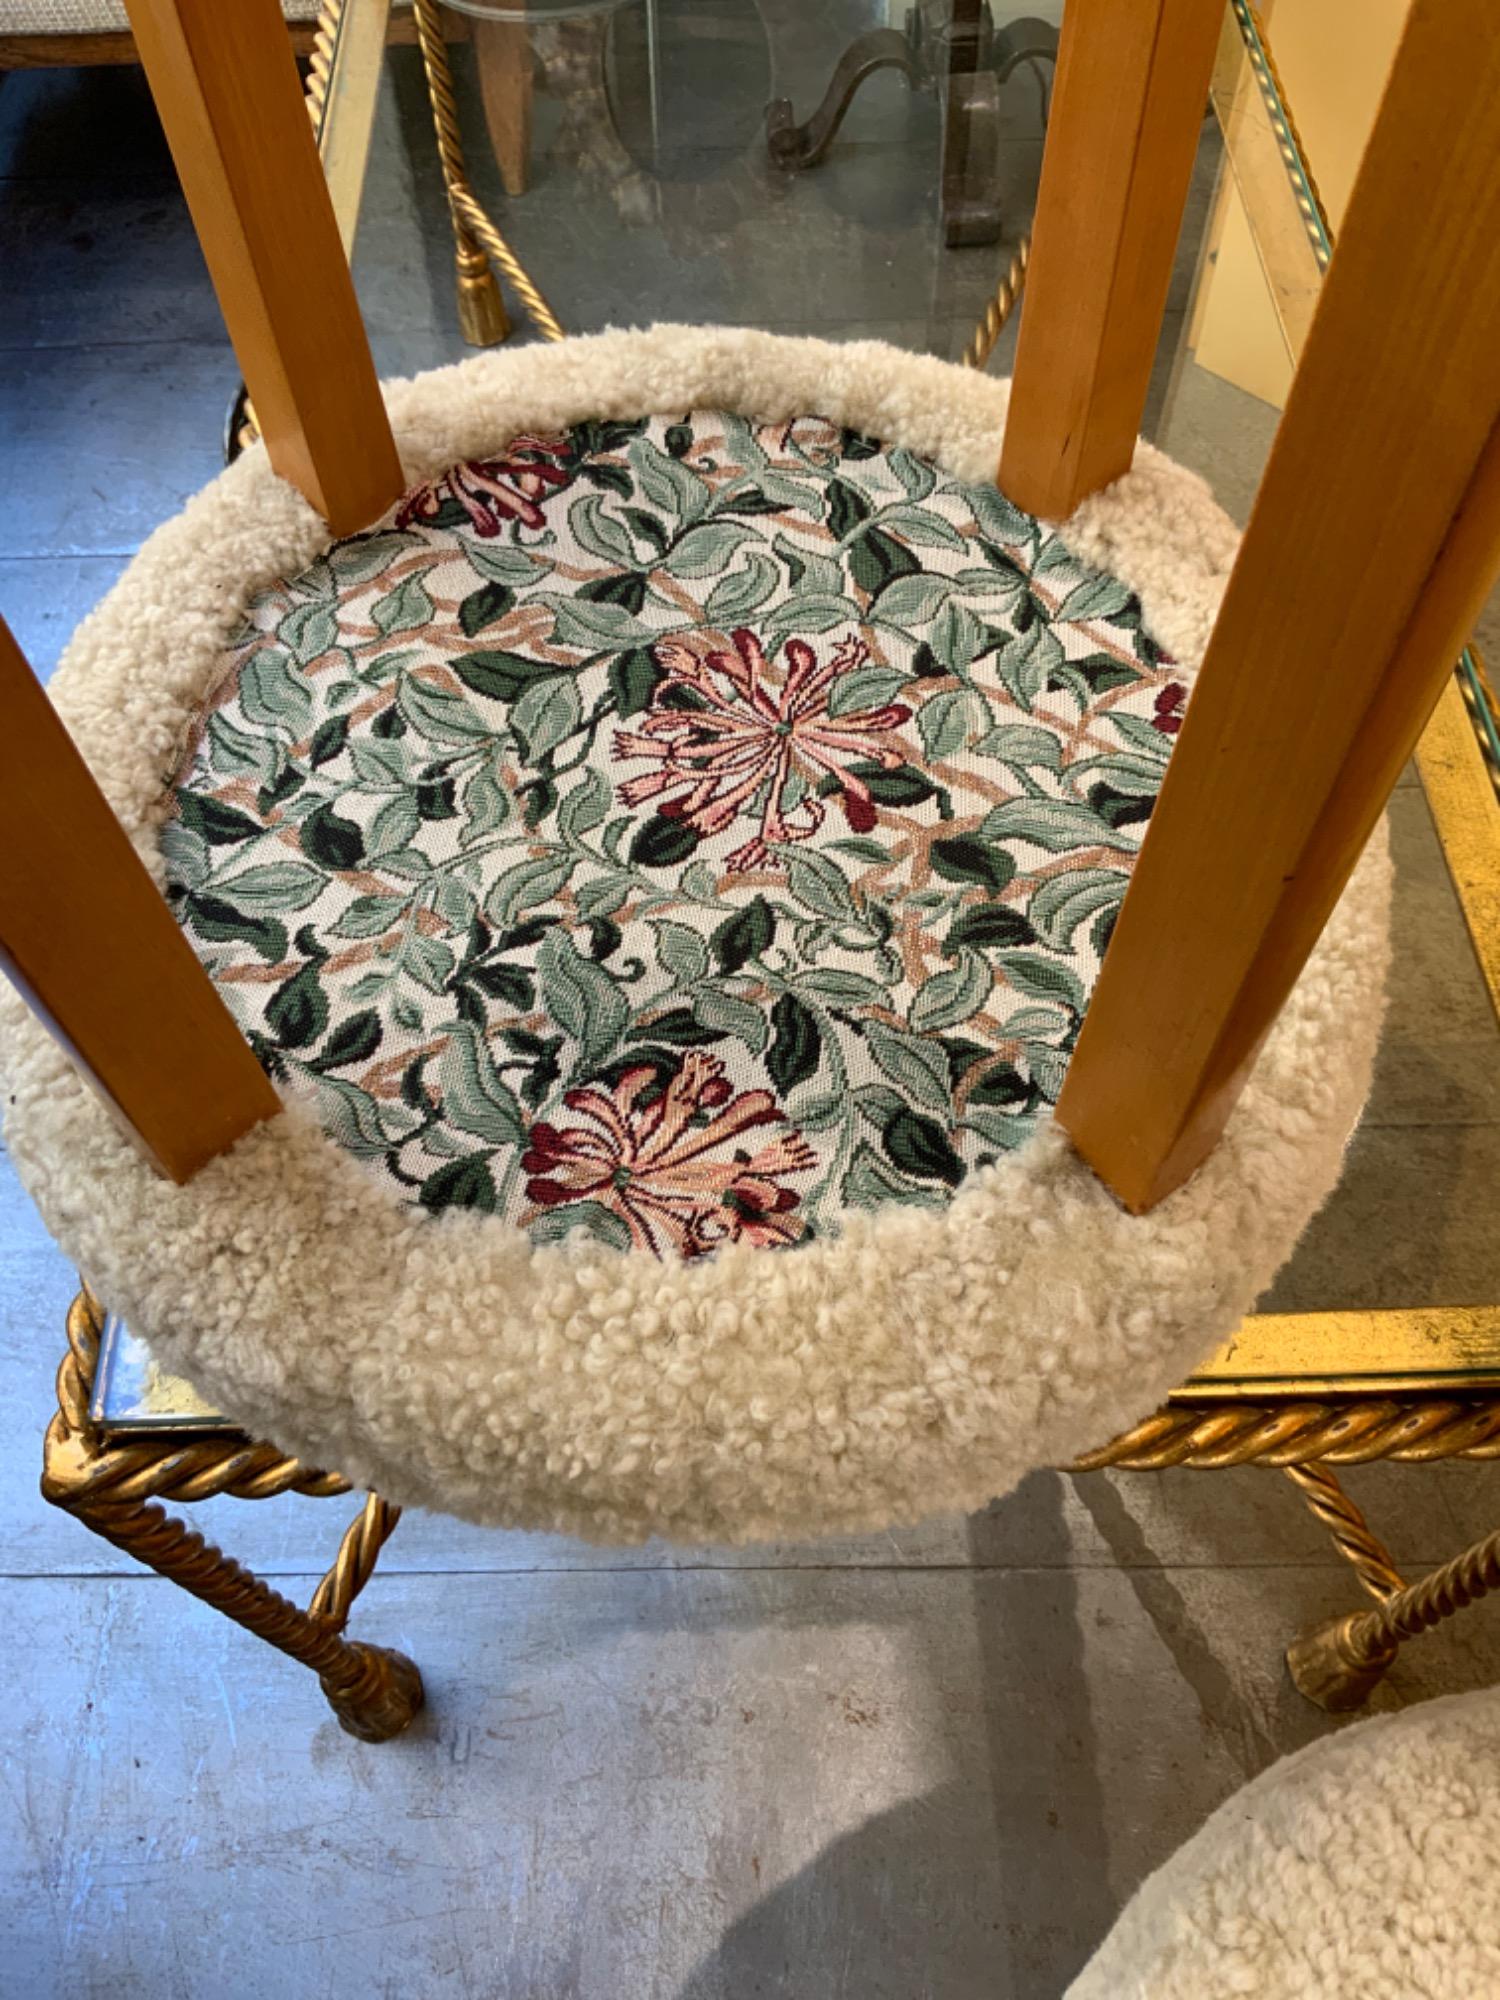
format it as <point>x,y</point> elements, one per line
<point>1374,540</point>
<point>1377,528</point>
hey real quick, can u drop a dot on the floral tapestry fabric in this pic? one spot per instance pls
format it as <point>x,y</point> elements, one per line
<point>680,830</point>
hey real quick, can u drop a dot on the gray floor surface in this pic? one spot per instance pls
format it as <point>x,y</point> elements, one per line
<point>931,1763</point>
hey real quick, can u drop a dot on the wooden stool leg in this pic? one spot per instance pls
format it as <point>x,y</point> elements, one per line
<point>502,49</point>
<point>1122,136</point>
<point>1373,543</point>
<point>89,941</point>
<point>226,87</point>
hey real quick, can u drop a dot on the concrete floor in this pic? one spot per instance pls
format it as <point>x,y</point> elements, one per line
<point>929,1763</point>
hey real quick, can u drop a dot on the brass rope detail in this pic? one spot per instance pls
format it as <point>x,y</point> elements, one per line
<point>82,1472</point>
<point>1345,1522</point>
<point>374,1690</point>
<point>354,1564</point>
<point>993,319</point>
<point>1278,105</point>
<point>1352,1433</point>
<point>147,1532</point>
<point>320,60</point>
<point>469,218</point>
<point>1373,1635</point>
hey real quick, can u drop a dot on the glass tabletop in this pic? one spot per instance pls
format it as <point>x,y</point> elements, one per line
<point>854,170</point>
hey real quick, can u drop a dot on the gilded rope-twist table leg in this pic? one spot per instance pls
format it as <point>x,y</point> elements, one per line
<point>1355,1538</point>
<point>482,317</point>
<point>374,1690</point>
<point>1339,1662</point>
<point>996,315</point>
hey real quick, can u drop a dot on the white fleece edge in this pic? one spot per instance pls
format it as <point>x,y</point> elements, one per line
<point>1362,1865</point>
<point>922,1362</point>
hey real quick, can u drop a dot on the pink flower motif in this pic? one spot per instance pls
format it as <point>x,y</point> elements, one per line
<point>1169,703</point>
<point>653,1165</point>
<point>492,491</point>
<point>750,732</point>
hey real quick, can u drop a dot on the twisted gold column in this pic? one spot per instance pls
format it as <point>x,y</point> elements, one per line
<point>1339,1662</point>
<point>477,240</point>
<point>374,1690</point>
<point>1371,1560</point>
<point>995,315</point>
<point>1343,1433</point>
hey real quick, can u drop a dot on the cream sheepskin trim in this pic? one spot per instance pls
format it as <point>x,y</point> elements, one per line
<point>923,1361</point>
<point>1363,1865</point>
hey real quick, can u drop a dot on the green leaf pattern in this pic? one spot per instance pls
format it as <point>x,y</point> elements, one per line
<point>677,830</point>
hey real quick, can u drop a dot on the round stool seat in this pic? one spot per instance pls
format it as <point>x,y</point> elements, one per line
<point>1364,1864</point>
<point>664,866</point>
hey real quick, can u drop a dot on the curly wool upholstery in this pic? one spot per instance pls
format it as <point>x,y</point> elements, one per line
<point>1364,1864</point>
<point>921,1361</point>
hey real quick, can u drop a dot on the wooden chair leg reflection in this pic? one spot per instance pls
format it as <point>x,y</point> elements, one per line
<point>115,1490</point>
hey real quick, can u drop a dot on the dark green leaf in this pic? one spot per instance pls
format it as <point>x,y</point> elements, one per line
<point>877,559</point>
<point>483,606</point>
<point>353,1040</point>
<point>291,780</point>
<point>1002,1083</point>
<point>627,588</point>
<point>512,984</point>
<point>965,859</point>
<point>680,1026</point>
<point>962,1055</point>
<point>448,514</point>
<point>328,739</point>
<point>465,1183</point>
<point>412,1093</point>
<point>1117,808</point>
<point>541,798</point>
<point>679,439</point>
<point>926,666</point>
<point>647,526</point>
<point>331,840</point>
<point>859,444</point>
<point>663,842</point>
<point>905,786</point>
<point>747,500</point>
<point>613,478</point>
<point>605,938</point>
<point>687,699</point>
<point>435,801</point>
<point>222,923</point>
<point>501,675</point>
<point>297,1012</point>
<point>1104,673</point>
<point>633,678</point>
<point>389,723</point>
<point>522,935</point>
<point>219,824</point>
<point>991,925</point>
<point>919,1146</point>
<point>796,1046</point>
<point>744,935</point>
<point>847,507</point>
